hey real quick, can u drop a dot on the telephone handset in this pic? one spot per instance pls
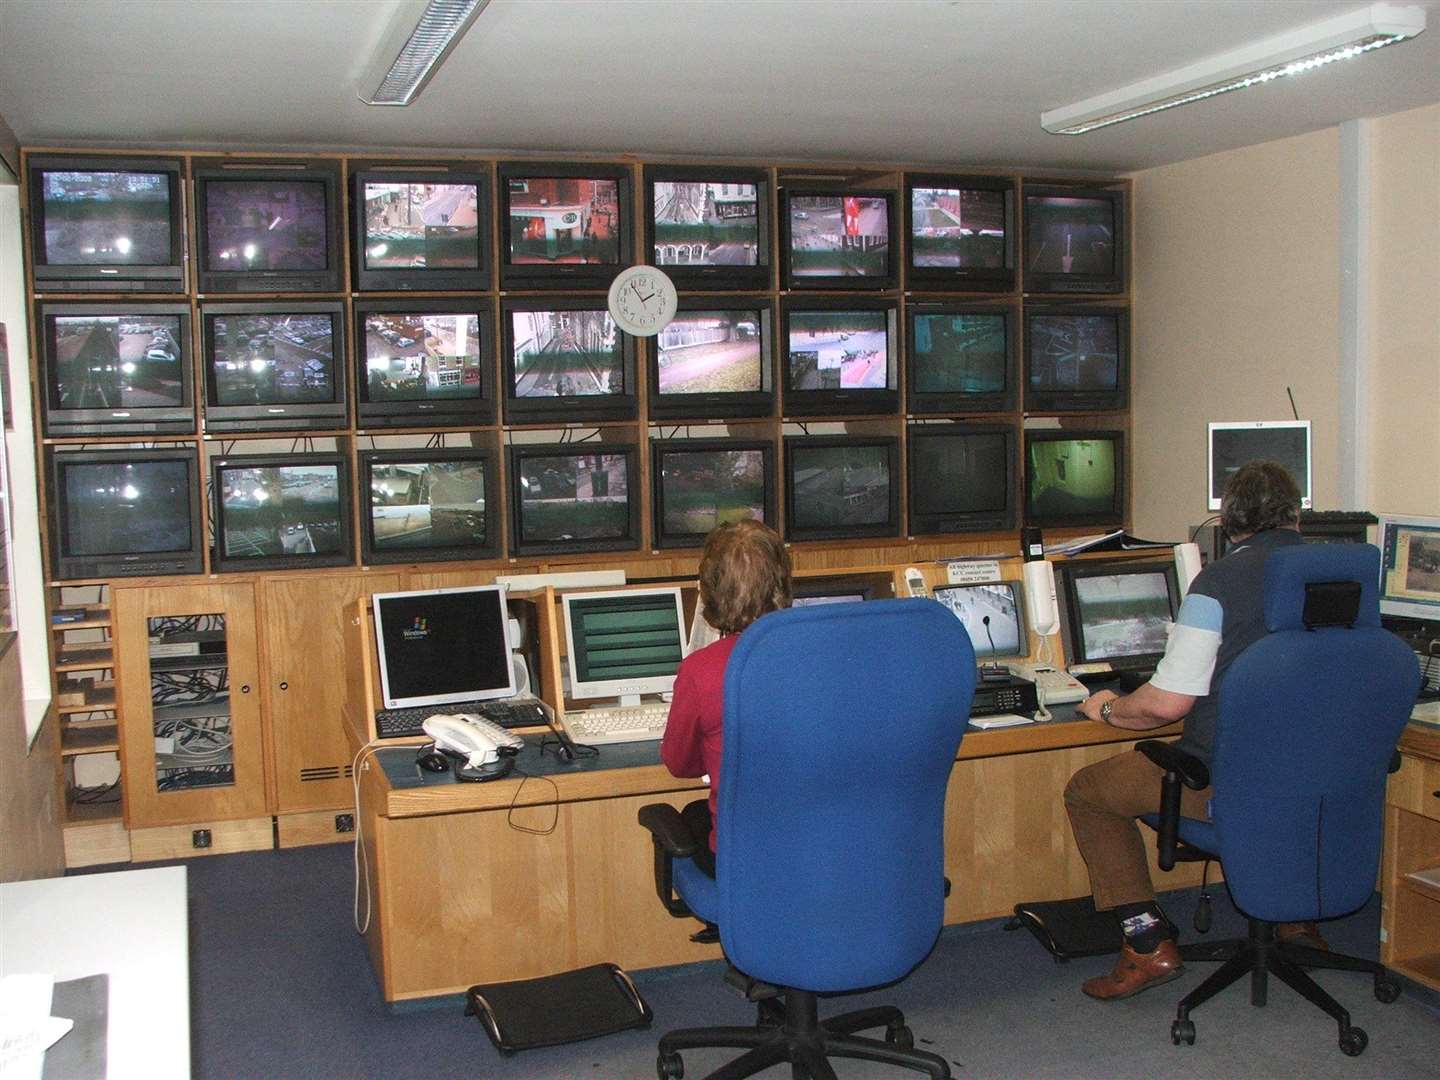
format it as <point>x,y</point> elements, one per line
<point>1055,687</point>
<point>478,741</point>
<point>915,582</point>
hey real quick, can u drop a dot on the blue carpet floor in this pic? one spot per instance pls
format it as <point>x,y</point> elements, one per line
<point>282,987</point>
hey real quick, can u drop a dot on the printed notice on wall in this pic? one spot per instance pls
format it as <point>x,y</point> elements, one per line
<point>973,572</point>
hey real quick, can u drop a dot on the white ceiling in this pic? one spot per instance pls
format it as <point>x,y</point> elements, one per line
<point>912,81</point>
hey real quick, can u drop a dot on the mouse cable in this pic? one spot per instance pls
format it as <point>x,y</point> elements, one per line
<point>362,862</point>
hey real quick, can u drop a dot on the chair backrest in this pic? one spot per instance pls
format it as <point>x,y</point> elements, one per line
<point>842,722</point>
<point>1308,721</point>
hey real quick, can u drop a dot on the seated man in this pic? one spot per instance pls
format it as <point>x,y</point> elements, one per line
<point>1223,612</point>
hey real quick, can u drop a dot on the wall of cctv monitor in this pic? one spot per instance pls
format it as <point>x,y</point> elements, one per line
<point>839,356</point>
<point>274,366</point>
<point>699,484</point>
<point>424,363</point>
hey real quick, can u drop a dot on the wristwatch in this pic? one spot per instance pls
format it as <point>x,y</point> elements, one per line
<point>1106,710</point>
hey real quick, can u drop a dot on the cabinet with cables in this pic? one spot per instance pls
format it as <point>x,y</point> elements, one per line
<point>191,741</point>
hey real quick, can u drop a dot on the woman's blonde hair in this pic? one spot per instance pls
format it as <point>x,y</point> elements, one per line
<point>744,573</point>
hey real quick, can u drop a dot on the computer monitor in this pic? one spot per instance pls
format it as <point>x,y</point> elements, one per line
<point>1410,568</point>
<point>1233,443</point>
<point>443,645</point>
<point>1118,612</point>
<point>815,595</point>
<point>1074,477</point>
<point>991,615</point>
<point>623,643</point>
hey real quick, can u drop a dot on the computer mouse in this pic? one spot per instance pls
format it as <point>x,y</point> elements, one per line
<point>431,759</point>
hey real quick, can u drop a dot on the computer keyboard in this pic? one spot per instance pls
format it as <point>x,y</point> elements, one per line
<point>407,723</point>
<point>617,724</point>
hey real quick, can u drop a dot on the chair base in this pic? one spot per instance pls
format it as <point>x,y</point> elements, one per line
<point>1259,956</point>
<point>804,1040</point>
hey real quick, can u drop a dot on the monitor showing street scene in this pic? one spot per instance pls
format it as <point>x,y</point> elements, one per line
<point>273,359</point>
<point>964,354</point>
<point>122,361</point>
<point>421,226</point>
<point>839,236</point>
<point>704,489</point>
<point>990,615</point>
<point>427,504</point>
<point>957,227</point>
<point>574,497</point>
<point>266,225</point>
<point>566,354</point>
<point>1065,235</point>
<point>839,486</point>
<point>101,218</point>
<point>1123,615</point>
<point>710,352</point>
<point>421,357</point>
<point>1074,352</point>
<point>701,223</point>
<point>564,220</point>
<point>834,350</point>
<point>280,510</point>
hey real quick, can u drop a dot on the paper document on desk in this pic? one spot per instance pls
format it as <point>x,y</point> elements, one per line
<point>27,1029</point>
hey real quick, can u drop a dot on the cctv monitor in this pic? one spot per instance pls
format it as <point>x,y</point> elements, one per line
<point>713,362</point>
<point>424,363</point>
<point>428,505</point>
<point>961,232</point>
<point>420,226</point>
<point>992,615</point>
<point>1235,443</point>
<point>1074,477</point>
<point>700,484</point>
<point>563,226</point>
<point>709,227</point>
<point>441,646</point>
<point>962,478</point>
<point>566,362</point>
<point>276,366</point>
<point>1118,612</point>
<point>838,239</point>
<point>841,487</point>
<point>281,511</point>
<point>840,357</point>
<point>1076,359</point>
<point>962,358</point>
<point>622,644</point>
<point>573,497</point>
<point>1074,239</point>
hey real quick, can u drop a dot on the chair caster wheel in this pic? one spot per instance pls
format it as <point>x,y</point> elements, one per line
<point>1353,1041</point>
<point>1386,990</point>
<point>669,1067</point>
<point>900,1037</point>
<point>1182,1031</point>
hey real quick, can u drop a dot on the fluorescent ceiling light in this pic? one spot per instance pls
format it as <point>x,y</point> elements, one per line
<point>415,45</point>
<point>1340,38</point>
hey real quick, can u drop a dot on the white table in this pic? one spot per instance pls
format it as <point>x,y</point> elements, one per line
<point>131,925</point>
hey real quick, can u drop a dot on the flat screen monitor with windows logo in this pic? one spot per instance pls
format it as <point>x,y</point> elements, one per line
<point>443,645</point>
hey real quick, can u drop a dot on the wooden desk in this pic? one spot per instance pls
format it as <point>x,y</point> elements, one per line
<point>1410,910</point>
<point>459,895</point>
<point>131,925</point>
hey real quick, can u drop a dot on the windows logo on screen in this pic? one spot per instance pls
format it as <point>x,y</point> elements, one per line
<point>417,630</point>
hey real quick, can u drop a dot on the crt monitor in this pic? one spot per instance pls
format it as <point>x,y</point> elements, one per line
<point>420,226</point>
<point>1234,443</point>
<point>709,227</point>
<point>281,511</point>
<point>573,497</point>
<point>274,366</point>
<point>1076,358</point>
<point>428,505</point>
<point>563,226</point>
<point>1074,477</point>
<point>840,358</point>
<point>962,358</point>
<point>440,646</point>
<point>841,487</point>
<point>961,231</point>
<point>423,363</point>
<point>124,513</point>
<point>1074,239</point>
<point>268,228</point>
<point>839,239</point>
<point>106,224</point>
<point>1118,612</point>
<point>623,643</point>
<point>1410,568</point>
<point>833,593</point>
<point>115,369</point>
<point>961,478</point>
<point>991,615</point>
<point>566,362</point>
<point>713,362</point>
<point>700,484</point>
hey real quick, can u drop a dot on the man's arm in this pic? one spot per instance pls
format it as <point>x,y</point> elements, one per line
<point>1148,707</point>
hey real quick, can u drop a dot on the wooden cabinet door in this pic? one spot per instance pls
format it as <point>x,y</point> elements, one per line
<point>304,622</point>
<point>188,695</point>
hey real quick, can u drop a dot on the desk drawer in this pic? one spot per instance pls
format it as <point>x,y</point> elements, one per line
<point>1416,787</point>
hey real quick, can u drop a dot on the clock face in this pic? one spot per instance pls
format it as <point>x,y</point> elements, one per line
<point>642,300</point>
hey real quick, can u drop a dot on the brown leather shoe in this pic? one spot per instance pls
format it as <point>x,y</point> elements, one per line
<point>1301,933</point>
<point>1136,971</point>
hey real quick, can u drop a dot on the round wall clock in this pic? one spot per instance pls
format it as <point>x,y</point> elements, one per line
<point>642,300</point>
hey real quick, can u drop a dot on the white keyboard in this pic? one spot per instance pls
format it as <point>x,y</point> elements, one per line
<point>617,724</point>
<point>999,721</point>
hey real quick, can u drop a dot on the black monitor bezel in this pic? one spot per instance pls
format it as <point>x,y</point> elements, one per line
<point>222,563</point>
<point>57,422</point>
<point>1017,589</point>
<point>963,521</point>
<point>659,537</point>
<point>801,591</point>
<point>1067,401</point>
<point>892,527</point>
<point>79,567</point>
<point>1072,623</point>
<point>718,406</point>
<point>570,409</point>
<point>1062,283</point>
<point>443,279</point>
<point>930,403</point>
<point>166,277</point>
<point>743,278</point>
<point>959,278</point>
<point>806,403</point>
<point>1114,516</point>
<point>821,282</point>
<point>372,555</point>
<point>563,275</point>
<point>518,452</point>
<point>449,413</point>
<point>329,279</point>
<point>299,416</point>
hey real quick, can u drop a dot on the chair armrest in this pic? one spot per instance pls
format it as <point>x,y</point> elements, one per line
<point>1179,767</point>
<point>1394,762</point>
<point>671,839</point>
<point>1190,769</point>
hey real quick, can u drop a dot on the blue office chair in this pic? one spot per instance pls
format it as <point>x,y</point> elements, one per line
<point>1309,717</point>
<point>842,722</point>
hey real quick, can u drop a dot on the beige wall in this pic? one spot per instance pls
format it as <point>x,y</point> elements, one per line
<point>1404,337</point>
<point>1236,296</point>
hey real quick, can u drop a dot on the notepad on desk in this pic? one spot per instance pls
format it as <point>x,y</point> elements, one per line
<point>984,723</point>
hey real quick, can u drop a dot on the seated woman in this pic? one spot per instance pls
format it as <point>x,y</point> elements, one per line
<point>744,573</point>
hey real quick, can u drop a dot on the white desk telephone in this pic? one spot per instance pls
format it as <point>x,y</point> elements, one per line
<point>478,740</point>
